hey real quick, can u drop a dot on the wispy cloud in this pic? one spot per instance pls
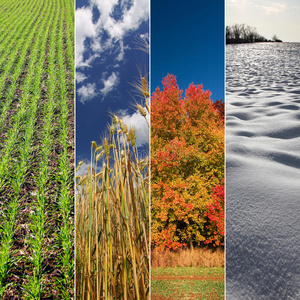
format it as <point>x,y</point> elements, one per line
<point>108,32</point>
<point>145,36</point>
<point>87,92</point>
<point>86,164</point>
<point>83,169</point>
<point>110,83</point>
<point>104,37</point>
<point>121,51</point>
<point>131,20</point>
<point>80,77</point>
<point>84,28</point>
<point>274,9</point>
<point>138,123</point>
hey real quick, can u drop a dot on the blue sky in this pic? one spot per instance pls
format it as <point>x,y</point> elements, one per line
<point>269,17</point>
<point>107,63</point>
<point>187,40</point>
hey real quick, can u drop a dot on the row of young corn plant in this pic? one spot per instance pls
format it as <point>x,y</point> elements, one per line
<point>18,120</point>
<point>15,63</point>
<point>12,21</point>
<point>31,116</point>
<point>65,177</point>
<point>23,125</point>
<point>69,43</point>
<point>112,220</point>
<point>29,141</point>
<point>10,37</point>
<point>34,286</point>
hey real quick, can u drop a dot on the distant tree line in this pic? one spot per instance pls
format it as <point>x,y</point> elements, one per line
<point>241,33</point>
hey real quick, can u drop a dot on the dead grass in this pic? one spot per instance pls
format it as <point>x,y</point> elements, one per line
<point>188,258</point>
<point>112,255</point>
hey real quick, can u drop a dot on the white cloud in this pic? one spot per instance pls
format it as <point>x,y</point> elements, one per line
<point>84,28</point>
<point>86,164</point>
<point>132,19</point>
<point>116,29</point>
<point>87,92</point>
<point>121,51</point>
<point>276,8</point>
<point>145,36</point>
<point>80,77</point>
<point>139,124</point>
<point>83,169</point>
<point>110,83</point>
<point>105,7</point>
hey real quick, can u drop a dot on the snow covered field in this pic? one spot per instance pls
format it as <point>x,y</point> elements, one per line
<point>263,171</point>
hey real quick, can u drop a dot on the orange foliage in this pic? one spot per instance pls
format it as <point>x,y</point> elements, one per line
<point>187,162</point>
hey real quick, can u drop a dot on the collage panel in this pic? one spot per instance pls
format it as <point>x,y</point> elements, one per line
<point>115,142</point>
<point>262,150</point>
<point>112,149</point>
<point>36,149</point>
<point>187,150</point>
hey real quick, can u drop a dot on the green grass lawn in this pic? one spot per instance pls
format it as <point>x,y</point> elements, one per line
<point>187,283</point>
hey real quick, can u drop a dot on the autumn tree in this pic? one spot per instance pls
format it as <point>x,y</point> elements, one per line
<point>187,164</point>
<point>216,216</point>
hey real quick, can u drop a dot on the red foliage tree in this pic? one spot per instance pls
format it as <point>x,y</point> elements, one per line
<point>216,216</point>
<point>187,162</point>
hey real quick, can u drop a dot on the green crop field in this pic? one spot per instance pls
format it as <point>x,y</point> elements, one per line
<point>36,149</point>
